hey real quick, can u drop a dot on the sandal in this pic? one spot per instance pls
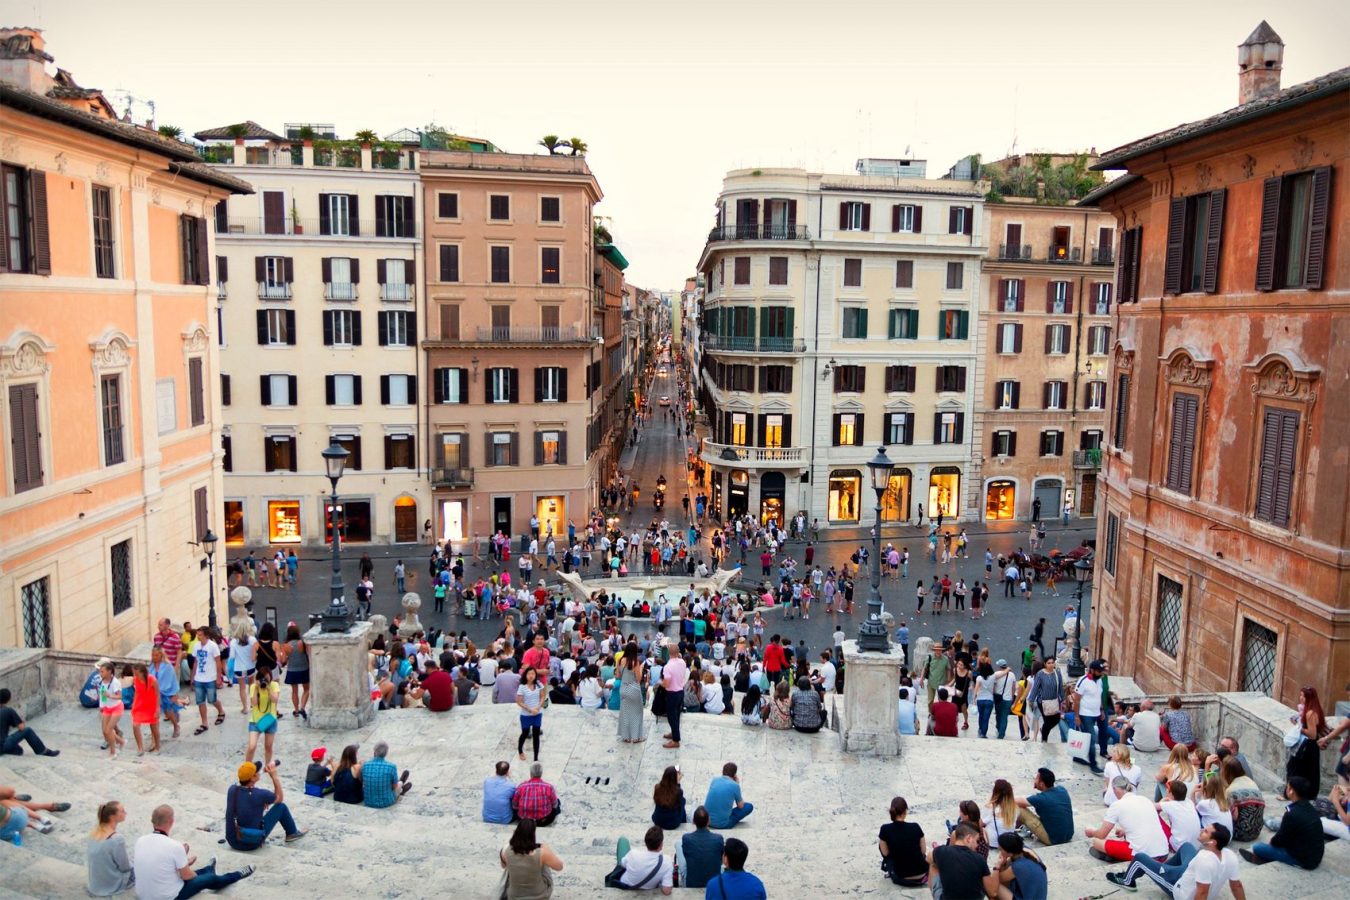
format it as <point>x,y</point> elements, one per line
<point>220,719</point>
<point>201,729</point>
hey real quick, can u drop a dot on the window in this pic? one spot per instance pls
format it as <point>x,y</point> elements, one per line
<point>1090,439</point>
<point>1094,395</point>
<point>111,399</point>
<point>778,270</point>
<point>903,324</point>
<point>900,379</point>
<point>850,379</point>
<point>1007,394</point>
<point>550,265</point>
<point>852,273</point>
<point>1119,426</point>
<point>395,328</point>
<point>855,216</point>
<point>1194,229</point>
<point>956,273</point>
<point>1127,275</point>
<point>1059,298</point>
<point>904,273</point>
<point>848,429</point>
<point>196,392</point>
<point>501,385</point>
<point>24,242</point>
<point>960,220</point>
<point>449,321</point>
<point>452,451</point>
<point>549,319</point>
<point>399,451</point>
<point>1276,471</point>
<point>499,207</point>
<point>338,214</point>
<point>352,444</point>
<point>104,261</point>
<point>1052,443</point>
<point>1167,627</point>
<point>1181,443</point>
<point>501,265</point>
<point>342,390</point>
<point>279,453</point>
<point>166,405</point>
<point>501,448</point>
<point>274,277</point>
<point>224,389</point>
<point>549,448</point>
<point>192,249</point>
<point>775,379</point>
<point>905,218</point>
<point>500,314</point>
<point>899,428</point>
<point>1010,337</point>
<point>1260,652</point>
<point>447,205</point>
<point>119,564</point>
<point>227,461</point>
<point>739,378</point>
<point>550,209</point>
<point>1295,210</point>
<point>396,278</point>
<point>341,328</point>
<point>35,599</point>
<point>739,433</point>
<point>277,390</point>
<point>394,217</point>
<point>741,270</point>
<point>1054,395</point>
<point>1004,443</point>
<point>1057,339</point>
<point>450,385</point>
<point>449,259</point>
<point>948,427</point>
<point>775,328</point>
<point>340,275</point>
<point>1112,540</point>
<point>276,327</point>
<point>953,325</point>
<point>1101,298</point>
<point>951,378</point>
<point>855,322</point>
<point>222,280</point>
<point>550,384</point>
<point>25,437</point>
<point>1011,294</point>
<point>1099,339</point>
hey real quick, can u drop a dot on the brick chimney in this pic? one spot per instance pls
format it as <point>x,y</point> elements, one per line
<point>1260,57</point>
<point>23,59</point>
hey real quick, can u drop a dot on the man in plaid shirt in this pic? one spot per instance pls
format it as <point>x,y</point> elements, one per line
<point>536,799</point>
<point>381,783</point>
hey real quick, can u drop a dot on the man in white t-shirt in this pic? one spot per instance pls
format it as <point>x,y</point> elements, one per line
<point>207,677</point>
<point>1183,821</point>
<point>1088,710</point>
<point>487,670</point>
<point>164,870</point>
<point>828,673</point>
<point>1210,863</point>
<point>1131,826</point>
<point>649,869</point>
<point>1146,728</point>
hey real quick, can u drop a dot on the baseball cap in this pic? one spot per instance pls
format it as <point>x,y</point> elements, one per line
<point>247,771</point>
<point>318,754</point>
<point>1096,666</point>
<point>1001,664</point>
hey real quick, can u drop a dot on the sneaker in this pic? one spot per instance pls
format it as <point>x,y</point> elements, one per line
<point>1118,879</point>
<point>407,786</point>
<point>60,807</point>
<point>1025,833</point>
<point>1273,823</point>
<point>404,777</point>
<point>45,826</point>
<point>245,872</point>
<point>292,838</point>
<point>1251,857</point>
<point>23,798</point>
<point>1098,854</point>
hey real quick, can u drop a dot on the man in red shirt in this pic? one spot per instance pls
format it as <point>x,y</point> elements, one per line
<point>942,716</point>
<point>774,659</point>
<point>168,640</point>
<point>766,562</point>
<point>438,689</point>
<point>540,594</point>
<point>537,656</point>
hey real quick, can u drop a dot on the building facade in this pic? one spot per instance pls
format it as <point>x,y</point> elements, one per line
<point>109,474</point>
<point>1222,546</point>
<point>1040,394</point>
<point>514,341</point>
<point>318,309</point>
<point>839,316</point>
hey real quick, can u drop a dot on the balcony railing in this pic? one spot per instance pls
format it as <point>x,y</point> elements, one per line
<point>397,293</point>
<point>752,344</point>
<point>754,455</point>
<point>273,291</point>
<point>1087,459</point>
<point>337,290</point>
<point>759,233</point>
<point>535,334</point>
<point>1014,252</point>
<point>451,478</point>
<point>1103,256</point>
<point>364,228</point>
<point>1060,254</point>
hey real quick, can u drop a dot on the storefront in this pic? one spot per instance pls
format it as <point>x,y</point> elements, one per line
<point>772,488</point>
<point>716,511</point>
<point>842,505</point>
<point>234,523</point>
<point>738,493</point>
<point>944,492</point>
<point>1000,500</point>
<point>895,500</point>
<point>1049,492</point>
<point>283,521</point>
<point>353,520</point>
<point>454,517</point>
<point>552,514</point>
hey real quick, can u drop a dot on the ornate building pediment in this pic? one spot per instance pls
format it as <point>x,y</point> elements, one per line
<point>1284,376</point>
<point>1186,368</point>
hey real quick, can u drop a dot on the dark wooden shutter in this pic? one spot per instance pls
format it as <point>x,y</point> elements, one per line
<point>1068,297</point>
<point>515,385</point>
<point>937,380</point>
<point>382,327</point>
<point>203,267</point>
<point>538,386</point>
<point>487,450</point>
<point>292,388</point>
<point>1017,338</point>
<point>380,271</point>
<point>325,224</point>
<point>1176,245</point>
<point>970,220</point>
<point>918,219</point>
<point>889,380</point>
<point>538,448</point>
<point>1181,443</point>
<point>792,213</point>
<point>937,428</point>
<point>867,217</point>
<point>1213,238</point>
<point>353,215</point>
<point>562,385</point>
<point>843,216</point>
<point>328,327</point>
<point>438,378</point>
<point>1319,210</point>
<point>409,272</point>
<point>1122,412</point>
<point>222,268</point>
<point>1284,474</point>
<point>224,389</point>
<point>356,389</point>
<point>42,244</point>
<point>25,437</point>
<point>515,448</point>
<point>288,267</point>
<point>951,220</point>
<point>858,420</point>
<point>409,217</point>
<point>356,328</point>
<point>4,240</point>
<point>835,421</point>
<point>381,225</point>
<point>1049,299</point>
<point>1002,294</point>
<point>265,389</point>
<point>261,315</point>
<point>1270,226</point>
<point>1123,265</point>
<point>329,389</point>
<point>463,385</point>
<point>1021,288</point>
<point>1045,395</point>
<point>196,392</point>
<point>895,217</point>
<point>384,390</point>
<point>260,269</point>
<point>326,267</point>
<point>960,428</point>
<point>1049,331</point>
<point>290,326</point>
<point>761,429</point>
<point>961,377</point>
<point>1189,436</point>
<point>787,430</point>
<point>1017,395</point>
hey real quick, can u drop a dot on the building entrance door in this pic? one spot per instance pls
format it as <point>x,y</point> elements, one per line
<point>772,487</point>
<point>405,520</point>
<point>501,515</point>
<point>1088,498</point>
<point>1048,492</point>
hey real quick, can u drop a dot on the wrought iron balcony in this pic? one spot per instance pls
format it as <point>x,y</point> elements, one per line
<point>339,290</point>
<point>1014,252</point>
<point>1087,459</point>
<point>396,293</point>
<point>753,344</point>
<point>759,233</point>
<point>534,334</point>
<point>273,291</point>
<point>1103,256</point>
<point>451,478</point>
<point>1061,254</point>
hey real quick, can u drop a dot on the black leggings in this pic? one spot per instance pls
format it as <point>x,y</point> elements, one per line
<point>531,732</point>
<point>1049,725</point>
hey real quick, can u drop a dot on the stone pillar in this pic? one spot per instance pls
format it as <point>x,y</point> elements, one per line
<point>339,683</point>
<point>871,697</point>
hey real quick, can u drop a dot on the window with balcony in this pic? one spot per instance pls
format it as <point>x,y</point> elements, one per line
<point>276,327</point>
<point>1010,337</point>
<point>1094,395</point>
<point>275,274</point>
<point>499,207</point>
<point>739,432</point>
<point>550,265</point>
<point>850,379</point>
<point>279,453</point>
<point>395,328</point>
<point>338,214</point>
<point>1007,394</point>
<point>904,273</point>
<point>398,390</point>
<point>1004,443</point>
<point>951,379</point>
<point>902,324</point>
<point>278,390</point>
<point>342,390</point>
<point>1057,339</point>
<point>1090,439</point>
<point>550,209</point>
<point>848,430</point>
<point>900,379</point>
<point>774,431</point>
<point>778,270</point>
<point>396,279</point>
<point>1054,395</point>
<point>775,328</point>
<point>853,273</point>
<point>1059,243</point>
<point>855,216</point>
<point>740,270</point>
<point>340,277</point>
<point>1295,211</point>
<point>341,328</point>
<point>394,217</point>
<point>855,322</point>
<point>501,265</point>
<point>956,275</point>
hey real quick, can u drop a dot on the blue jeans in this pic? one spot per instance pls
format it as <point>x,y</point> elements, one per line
<point>207,880</point>
<point>985,709</point>
<point>1001,709</point>
<point>15,824</point>
<point>276,814</point>
<point>737,814</point>
<point>1091,726</point>
<point>15,738</point>
<point>1274,854</point>
<point>1164,874</point>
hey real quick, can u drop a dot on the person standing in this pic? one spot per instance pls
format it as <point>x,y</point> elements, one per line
<point>1047,697</point>
<point>110,709</point>
<point>674,675</point>
<point>207,678</point>
<point>631,677</point>
<point>530,698</point>
<point>163,869</point>
<point>166,677</point>
<point>145,707</point>
<point>264,694</point>
<point>1087,701</point>
<point>296,660</point>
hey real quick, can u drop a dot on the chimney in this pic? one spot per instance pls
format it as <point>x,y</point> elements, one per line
<point>23,59</point>
<point>1260,57</point>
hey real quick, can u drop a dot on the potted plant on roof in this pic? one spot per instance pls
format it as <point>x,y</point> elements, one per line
<point>365,137</point>
<point>306,135</point>
<point>296,227</point>
<point>237,131</point>
<point>550,143</point>
<point>578,146</point>
<point>172,132</point>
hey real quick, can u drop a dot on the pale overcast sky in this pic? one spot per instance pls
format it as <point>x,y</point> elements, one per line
<point>669,96</point>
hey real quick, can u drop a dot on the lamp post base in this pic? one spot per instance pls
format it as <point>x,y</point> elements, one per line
<point>336,618</point>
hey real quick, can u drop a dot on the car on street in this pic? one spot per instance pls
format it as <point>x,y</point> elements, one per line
<point>665,401</point>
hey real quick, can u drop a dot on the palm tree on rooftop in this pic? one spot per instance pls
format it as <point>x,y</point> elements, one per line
<point>550,143</point>
<point>578,146</point>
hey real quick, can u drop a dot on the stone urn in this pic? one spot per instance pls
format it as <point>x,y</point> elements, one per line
<point>410,624</point>
<point>241,623</point>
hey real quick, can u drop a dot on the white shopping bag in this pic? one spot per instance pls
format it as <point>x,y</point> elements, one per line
<point>1078,744</point>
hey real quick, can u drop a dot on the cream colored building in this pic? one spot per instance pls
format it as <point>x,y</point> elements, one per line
<point>1045,331</point>
<point>840,316</point>
<point>319,317</point>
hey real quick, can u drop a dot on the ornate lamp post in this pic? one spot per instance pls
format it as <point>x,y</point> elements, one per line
<point>1082,573</point>
<point>872,632</point>
<point>209,545</point>
<point>337,617</point>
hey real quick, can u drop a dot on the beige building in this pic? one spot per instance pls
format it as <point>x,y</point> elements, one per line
<point>521,363</point>
<point>839,316</point>
<point>318,319</point>
<point>1040,387</point>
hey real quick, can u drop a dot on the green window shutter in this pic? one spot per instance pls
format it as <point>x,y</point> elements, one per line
<point>862,323</point>
<point>962,324</point>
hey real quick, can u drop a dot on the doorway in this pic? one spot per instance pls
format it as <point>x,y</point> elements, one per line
<point>552,514</point>
<point>452,520</point>
<point>738,494</point>
<point>772,488</point>
<point>405,520</point>
<point>895,500</point>
<point>1087,499</point>
<point>501,515</point>
<point>1000,500</point>
<point>944,489</point>
<point>1048,491</point>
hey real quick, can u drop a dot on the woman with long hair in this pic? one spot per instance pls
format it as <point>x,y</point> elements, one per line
<point>780,708</point>
<point>902,847</point>
<point>105,853</point>
<point>110,708</point>
<point>968,813</point>
<point>1304,757</point>
<point>632,676</point>
<point>960,687</point>
<point>669,800</point>
<point>528,864</point>
<point>1002,811</point>
<point>530,698</point>
<point>753,707</point>
<point>1021,873</point>
<point>145,707</point>
<point>347,787</point>
<point>590,693</point>
<point>1178,767</point>
<point>296,659</point>
<point>1212,805</point>
<point>268,646</point>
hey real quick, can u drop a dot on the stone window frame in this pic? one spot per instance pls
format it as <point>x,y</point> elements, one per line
<point>1185,371</point>
<point>1171,665</point>
<point>1280,380</point>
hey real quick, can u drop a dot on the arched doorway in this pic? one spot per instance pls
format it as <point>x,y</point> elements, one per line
<point>1000,500</point>
<point>895,500</point>
<point>944,492</point>
<point>405,520</point>
<point>772,489</point>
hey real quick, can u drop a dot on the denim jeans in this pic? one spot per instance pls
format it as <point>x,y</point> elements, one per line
<point>1001,709</point>
<point>15,738</point>
<point>207,880</point>
<point>985,708</point>
<point>1090,726</point>
<point>737,814</point>
<point>277,814</point>
<point>1274,854</point>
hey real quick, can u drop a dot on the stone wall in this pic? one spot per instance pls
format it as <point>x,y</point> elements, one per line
<point>42,680</point>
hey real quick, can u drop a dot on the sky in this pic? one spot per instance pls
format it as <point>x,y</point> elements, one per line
<point>670,96</point>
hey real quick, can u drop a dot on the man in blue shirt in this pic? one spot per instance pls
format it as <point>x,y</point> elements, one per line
<point>1048,815</point>
<point>702,851</point>
<point>902,638</point>
<point>497,793</point>
<point>734,883</point>
<point>248,819</point>
<point>908,722</point>
<point>381,783</point>
<point>725,805</point>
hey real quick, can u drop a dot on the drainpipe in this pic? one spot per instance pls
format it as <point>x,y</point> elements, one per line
<point>815,350</point>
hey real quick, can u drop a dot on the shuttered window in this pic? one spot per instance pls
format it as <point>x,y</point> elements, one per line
<point>447,205</point>
<point>950,378</point>
<point>902,324</point>
<point>196,391</point>
<point>501,265</point>
<point>449,260</point>
<point>192,250</point>
<point>778,270</point>
<point>1194,230</point>
<point>279,453</point>
<point>450,385</point>
<point>1295,211</point>
<point>855,322</point>
<point>899,428</point>
<point>1004,443</point>
<point>550,265</point>
<point>25,245</point>
<point>1112,540</point>
<point>114,450</point>
<point>201,510</point>
<point>900,379</point>
<point>953,325</point>
<point>904,273</point>
<point>1276,472</point>
<point>740,273</point>
<point>499,207</point>
<point>25,437</point>
<point>399,451</point>
<point>852,273</point>
<point>955,275</point>
<point>1052,443</point>
<point>948,427</point>
<point>104,243</point>
<point>775,379</point>
<point>850,379</point>
<point>1181,442</point>
<point>1119,428</point>
<point>1127,277</point>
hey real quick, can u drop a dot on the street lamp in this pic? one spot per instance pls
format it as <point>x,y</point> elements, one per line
<point>337,617</point>
<point>209,545</point>
<point>872,632</point>
<point>1082,573</point>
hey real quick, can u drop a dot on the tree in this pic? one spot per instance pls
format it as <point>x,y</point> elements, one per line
<point>237,130</point>
<point>434,137</point>
<point>550,143</point>
<point>366,136</point>
<point>578,146</point>
<point>170,131</point>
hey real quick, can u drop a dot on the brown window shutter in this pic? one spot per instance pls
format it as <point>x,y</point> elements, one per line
<point>1049,297</point>
<point>1192,406</point>
<point>1021,294</point>
<point>1045,395</point>
<point>834,429</point>
<point>895,217</point>
<point>961,379</point>
<point>890,378</point>
<point>1017,338</point>
<point>1317,229</point>
<point>1049,330</point>
<point>379,271</point>
<point>487,449</point>
<point>1002,293</point>
<point>25,437</point>
<point>1176,242</point>
<point>1136,255</point>
<point>970,220</point>
<point>1284,475</point>
<point>867,217</point>
<point>222,268</point>
<point>353,215</point>
<point>843,216</point>
<point>1017,395</point>
<point>1270,451</point>
<point>326,265</point>
<point>290,269</point>
<point>199,247</point>
<point>1213,237</point>
<point>858,439</point>
<point>1270,225</point>
<point>515,448</point>
<point>260,268</point>
<point>918,219</point>
<point>951,219</point>
<point>1068,297</point>
<point>356,270</point>
<point>42,244</point>
<point>792,213</point>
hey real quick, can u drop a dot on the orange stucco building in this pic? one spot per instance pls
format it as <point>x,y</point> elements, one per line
<point>1222,544</point>
<point>110,419</point>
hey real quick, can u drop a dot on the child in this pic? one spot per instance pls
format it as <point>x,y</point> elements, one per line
<point>318,777</point>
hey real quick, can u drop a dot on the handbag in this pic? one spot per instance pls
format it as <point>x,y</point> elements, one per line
<point>1050,707</point>
<point>1293,737</point>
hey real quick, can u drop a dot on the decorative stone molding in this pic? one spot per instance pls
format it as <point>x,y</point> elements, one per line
<point>1184,369</point>
<point>102,171</point>
<point>1248,166</point>
<point>61,162</point>
<point>24,355</point>
<point>1303,151</point>
<point>1123,360</point>
<point>195,338</point>
<point>1204,175</point>
<point>111,351</point>
<point>1284,377</point>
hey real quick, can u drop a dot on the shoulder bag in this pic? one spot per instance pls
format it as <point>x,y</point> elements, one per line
<point>1050,706</point>
<point>615,878</point>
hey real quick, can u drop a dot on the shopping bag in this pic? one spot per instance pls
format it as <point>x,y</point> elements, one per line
<point>1078,744</point>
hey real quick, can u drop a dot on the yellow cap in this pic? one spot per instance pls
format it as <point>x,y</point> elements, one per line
<point>247,771</point>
